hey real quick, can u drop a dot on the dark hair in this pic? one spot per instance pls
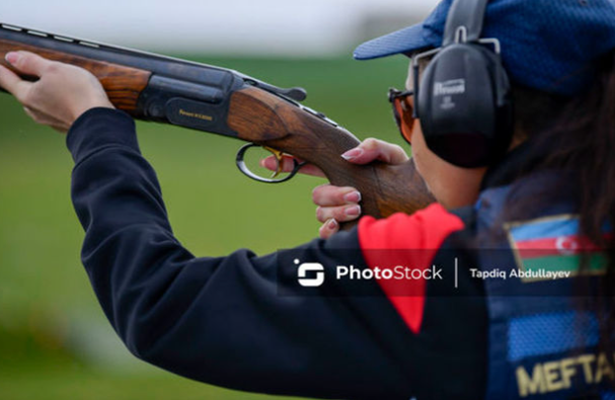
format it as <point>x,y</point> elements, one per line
<point>579,133</point>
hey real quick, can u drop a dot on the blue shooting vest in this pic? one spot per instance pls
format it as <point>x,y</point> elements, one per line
<point>542,343</point>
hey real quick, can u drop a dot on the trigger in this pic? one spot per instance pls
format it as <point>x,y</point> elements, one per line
<point>279,156</point>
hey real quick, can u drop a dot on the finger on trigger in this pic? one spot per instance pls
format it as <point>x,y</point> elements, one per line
<point>271,163</point>
<point>288,165</point>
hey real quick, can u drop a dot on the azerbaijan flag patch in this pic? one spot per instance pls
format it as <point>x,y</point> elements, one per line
<point>552,247</point>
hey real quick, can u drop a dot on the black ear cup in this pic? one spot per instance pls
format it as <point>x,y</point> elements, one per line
<point>465,106</point>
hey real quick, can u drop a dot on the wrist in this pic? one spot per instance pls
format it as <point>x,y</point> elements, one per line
<point>82,109</point>
<point>100,127</point>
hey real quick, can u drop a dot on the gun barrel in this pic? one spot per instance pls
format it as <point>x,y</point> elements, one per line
<point>157,64</point>
<point>148,86</point>
<point>162,65</point>
<point>159,79</point>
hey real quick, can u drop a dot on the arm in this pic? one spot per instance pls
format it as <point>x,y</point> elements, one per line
<point>222,320</point>
<point>218,320</point>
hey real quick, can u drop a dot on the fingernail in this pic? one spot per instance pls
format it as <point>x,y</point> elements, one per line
<point>353,197</point>
<point>352,154</point>
<point>353,211</point>
<point>11,57</point>
<point>332,224</point>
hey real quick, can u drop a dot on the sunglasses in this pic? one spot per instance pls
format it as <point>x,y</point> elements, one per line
<point>402,112</point>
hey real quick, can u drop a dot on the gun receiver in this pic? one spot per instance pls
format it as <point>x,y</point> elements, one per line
<point>217,100</point>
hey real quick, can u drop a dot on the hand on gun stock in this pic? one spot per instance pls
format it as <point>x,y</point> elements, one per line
<point>337,204</point>
<point>61,94</point>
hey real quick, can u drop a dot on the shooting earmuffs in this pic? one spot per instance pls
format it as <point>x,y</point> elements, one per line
<point>463,98</point>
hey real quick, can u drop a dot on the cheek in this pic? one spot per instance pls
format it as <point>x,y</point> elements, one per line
<point>425,160</point>
<point>417,157</point>
<point>419,149</point>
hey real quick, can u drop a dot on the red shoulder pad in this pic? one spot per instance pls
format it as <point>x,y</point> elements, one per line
<point>424,230</point>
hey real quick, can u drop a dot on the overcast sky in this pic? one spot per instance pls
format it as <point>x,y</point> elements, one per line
<point>282,27</point>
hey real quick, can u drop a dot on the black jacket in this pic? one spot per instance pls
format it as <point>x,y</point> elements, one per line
<point>223,320</point>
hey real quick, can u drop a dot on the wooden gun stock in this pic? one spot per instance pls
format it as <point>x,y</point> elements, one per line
<point>254,115</point>
<point>123,84</point>
<point>270,121</point>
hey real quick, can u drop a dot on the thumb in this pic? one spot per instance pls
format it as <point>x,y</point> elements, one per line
<point>374,149</point>
<point>28,63</point>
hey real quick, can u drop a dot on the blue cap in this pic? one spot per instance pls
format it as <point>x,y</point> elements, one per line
<point>548,45</point>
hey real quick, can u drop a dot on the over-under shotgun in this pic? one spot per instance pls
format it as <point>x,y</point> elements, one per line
<point>212,99</point>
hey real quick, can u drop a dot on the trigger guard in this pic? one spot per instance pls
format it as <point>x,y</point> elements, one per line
<point>239,161</point>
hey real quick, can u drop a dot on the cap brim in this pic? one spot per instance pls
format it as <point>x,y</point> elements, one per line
<point>407,40</point>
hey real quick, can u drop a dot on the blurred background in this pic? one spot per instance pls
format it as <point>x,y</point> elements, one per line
<point>55,342</point>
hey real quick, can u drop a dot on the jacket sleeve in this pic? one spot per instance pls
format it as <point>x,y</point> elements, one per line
<point>223,320</point>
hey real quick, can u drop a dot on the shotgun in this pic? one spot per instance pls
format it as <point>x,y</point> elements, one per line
<point>162,89</point>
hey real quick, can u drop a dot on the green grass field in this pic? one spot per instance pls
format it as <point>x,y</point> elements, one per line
<point>54,340</point>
